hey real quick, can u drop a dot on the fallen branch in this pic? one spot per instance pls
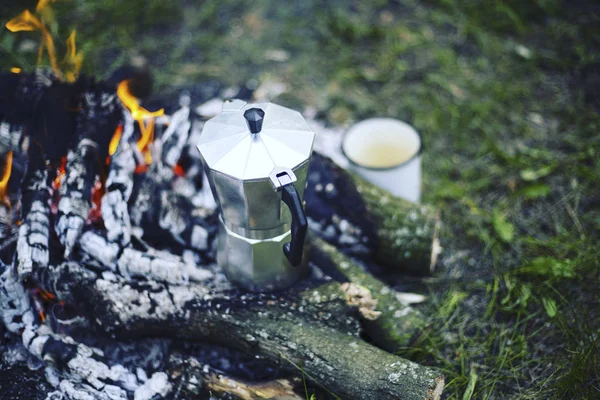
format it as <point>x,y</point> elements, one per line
<point>313,327</point>
<point>392,323</point>
<point>360,218</point>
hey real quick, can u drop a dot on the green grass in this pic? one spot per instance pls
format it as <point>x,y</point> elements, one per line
<point>503,96</point>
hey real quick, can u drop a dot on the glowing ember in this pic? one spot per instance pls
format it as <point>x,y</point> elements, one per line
<point>5,177</point>
<point>97,193</point>
<point>144,118</point>
<point>41,301</point>
<point>178,170</point>
<point>69,67</point>
<point>60,174</point>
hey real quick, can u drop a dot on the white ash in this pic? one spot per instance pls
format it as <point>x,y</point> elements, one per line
<point>175,136</point>
<point>11,137</point>
<point>171,218</point>
<point>71,221</point>
<point>79,391</point>
<point>99,248</point>
<point>199,238</point>
<point>14,301</point>
<point>74,205</point>
<point>85,375</point>
<point>204,198</point>
<point>141,264</point>
<point>119,185</point>
<point>32,245</point>
<point>116,217</point>
<point>129,262</point>
<point>158,384</point>
<point>328,141</point>
<point>184,187</point>
<point>159,302</point>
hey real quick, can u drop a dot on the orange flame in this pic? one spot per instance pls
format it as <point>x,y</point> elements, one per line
<point>26,21</point>
<point>114,142</point>
<point>144,118</point>
<point>60,174</point>
<point>6,176</point>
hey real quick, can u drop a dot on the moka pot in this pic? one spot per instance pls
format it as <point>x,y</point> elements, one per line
<point>256,158</point>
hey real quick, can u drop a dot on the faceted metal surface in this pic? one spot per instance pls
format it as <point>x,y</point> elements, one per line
<point>252,208</point>
<point>257,265</point>
<point>239,164</point>
<point>242,168</point>
<point>228,146</point>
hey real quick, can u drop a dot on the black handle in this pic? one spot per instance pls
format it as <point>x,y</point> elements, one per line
<point>293,250</point>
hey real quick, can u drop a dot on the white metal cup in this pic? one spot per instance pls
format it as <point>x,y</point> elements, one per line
<point>386,152</point>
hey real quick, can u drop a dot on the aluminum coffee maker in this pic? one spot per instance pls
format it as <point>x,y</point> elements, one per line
<point>256,157</point>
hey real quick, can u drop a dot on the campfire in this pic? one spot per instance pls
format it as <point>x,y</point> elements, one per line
<point>109,281</point>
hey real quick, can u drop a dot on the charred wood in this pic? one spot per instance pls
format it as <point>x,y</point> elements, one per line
<point>11,137</point>
<point>313,325</point>
<point>95,126</point>
<point>194,379</point>
<point>34,232</point>
<point>119,185</point>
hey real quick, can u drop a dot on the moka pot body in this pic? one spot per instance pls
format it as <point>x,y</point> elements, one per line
<point>256,157</point>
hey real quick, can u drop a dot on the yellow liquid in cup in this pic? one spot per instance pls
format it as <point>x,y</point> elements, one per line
<point>381,143</point>
<point>383,155</point>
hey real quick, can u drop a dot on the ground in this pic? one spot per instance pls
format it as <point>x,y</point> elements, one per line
<point>506,96</point>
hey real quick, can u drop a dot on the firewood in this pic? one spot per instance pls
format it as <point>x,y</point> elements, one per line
<point>195,378</point>
<point>95,126</point>
<point>11,137</point>
<point>118,282</point>
<point>312,327</point>
<point>74,369</point>
<point>119,185</point>
<point>176,135</point>
<point>34,232</point>
<point>396,324</point>
<point>129,262</point>
<point>365,220</point>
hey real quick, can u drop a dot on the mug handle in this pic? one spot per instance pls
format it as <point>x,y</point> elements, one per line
<point>293,250</point>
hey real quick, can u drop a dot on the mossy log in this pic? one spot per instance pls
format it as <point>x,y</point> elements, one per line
<point>313,328</point>
<point>398,233</point>
<point>393,324</point>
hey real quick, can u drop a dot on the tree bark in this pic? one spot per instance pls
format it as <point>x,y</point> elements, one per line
<point>399,234</point>
<point>397,324</point>
<point>312,328</point>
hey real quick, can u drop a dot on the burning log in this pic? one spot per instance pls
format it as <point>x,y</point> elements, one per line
<point>76,370</point>
<point>364,220</point>
<point>176,135</point>
<point>34,232</point>
<point>312,326</point>
<point>95,124</point>
<point>11,137</point>
<point>119,185</point>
